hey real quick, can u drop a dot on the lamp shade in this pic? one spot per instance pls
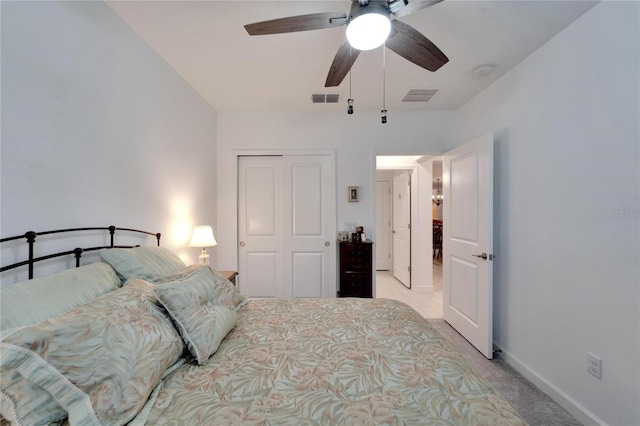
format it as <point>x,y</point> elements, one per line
<point>202,237</point>
<point>368,29</point>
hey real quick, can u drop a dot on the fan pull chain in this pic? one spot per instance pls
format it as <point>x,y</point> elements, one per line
<point>350,100</point>
<point>383,113</point>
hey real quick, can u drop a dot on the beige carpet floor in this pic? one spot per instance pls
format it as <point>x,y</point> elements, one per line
<point>535,407</point>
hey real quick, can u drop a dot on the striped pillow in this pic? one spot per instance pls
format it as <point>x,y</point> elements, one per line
<point>29,302</point>
<point>148,263</point>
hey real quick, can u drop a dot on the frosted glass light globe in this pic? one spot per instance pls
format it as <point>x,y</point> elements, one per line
<point>368,31</point>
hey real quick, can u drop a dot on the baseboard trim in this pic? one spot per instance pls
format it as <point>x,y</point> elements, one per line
<point>423,288</point>
<point>576,409</point>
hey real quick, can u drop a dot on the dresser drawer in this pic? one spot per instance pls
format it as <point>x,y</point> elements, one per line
<point>357,266</point>
<point>355,284</point>
<point>352,258</point>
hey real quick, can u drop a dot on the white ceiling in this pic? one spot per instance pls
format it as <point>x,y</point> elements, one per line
<point>206,43</point>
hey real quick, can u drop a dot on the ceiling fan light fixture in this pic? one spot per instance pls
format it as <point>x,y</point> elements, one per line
<point>369,29</point>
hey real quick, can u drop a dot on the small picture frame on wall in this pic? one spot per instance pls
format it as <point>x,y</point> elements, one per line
<point>353,194</point>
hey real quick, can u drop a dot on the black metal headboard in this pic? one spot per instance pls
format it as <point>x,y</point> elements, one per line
<point>31,238</point>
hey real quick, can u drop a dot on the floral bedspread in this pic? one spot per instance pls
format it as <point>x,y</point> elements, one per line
<point>331,361</point>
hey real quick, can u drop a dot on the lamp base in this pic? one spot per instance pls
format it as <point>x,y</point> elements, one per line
<point>204,257</point>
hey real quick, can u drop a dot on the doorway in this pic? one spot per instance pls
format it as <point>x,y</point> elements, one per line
<point>423,296</point>
<point>467,269</point>
<point>437,201</point>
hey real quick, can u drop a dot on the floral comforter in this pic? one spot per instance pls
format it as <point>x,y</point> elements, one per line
<point>330,361</point>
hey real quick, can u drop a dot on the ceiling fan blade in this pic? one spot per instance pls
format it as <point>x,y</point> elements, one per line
<point>414,47</point>
<point>412,6</point>
<point>342,63</point>
<point>291,24</point>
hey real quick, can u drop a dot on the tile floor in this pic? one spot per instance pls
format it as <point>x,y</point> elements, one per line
<point>427,302</point>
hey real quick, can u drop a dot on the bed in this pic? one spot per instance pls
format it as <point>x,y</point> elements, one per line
<point>141,338</point>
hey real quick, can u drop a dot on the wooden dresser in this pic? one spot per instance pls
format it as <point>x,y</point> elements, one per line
<point>355,265</point>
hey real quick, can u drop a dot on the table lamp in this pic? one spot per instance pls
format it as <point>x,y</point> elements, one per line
<point>203,237</point>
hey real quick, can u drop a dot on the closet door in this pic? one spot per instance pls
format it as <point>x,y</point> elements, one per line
<point>309,226</point>
<point>260,226</point>
<point>286,226</point>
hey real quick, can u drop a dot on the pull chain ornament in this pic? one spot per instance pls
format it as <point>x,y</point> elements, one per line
<point>383,113</point>
<point>350,100</point>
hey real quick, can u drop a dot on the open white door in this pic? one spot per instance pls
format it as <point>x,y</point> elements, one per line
<point>402,228</point>
<point>468,242</point>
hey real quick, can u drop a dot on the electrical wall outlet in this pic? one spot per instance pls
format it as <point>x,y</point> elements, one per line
<point>594,365</point>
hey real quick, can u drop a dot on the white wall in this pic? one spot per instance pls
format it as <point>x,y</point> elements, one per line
<point>355,138</point>
<point>98,130</point>
<point>567,201</point>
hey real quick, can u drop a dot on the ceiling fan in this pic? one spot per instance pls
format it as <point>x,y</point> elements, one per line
<point>401,38</point>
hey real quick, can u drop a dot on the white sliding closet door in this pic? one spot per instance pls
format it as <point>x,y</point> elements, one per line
<point>286,225</point>
<point>260,226</point>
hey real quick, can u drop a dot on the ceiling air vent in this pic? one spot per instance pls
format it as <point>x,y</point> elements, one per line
<point>420,95</point>
<point>332,98</point>
<point>325,98</point>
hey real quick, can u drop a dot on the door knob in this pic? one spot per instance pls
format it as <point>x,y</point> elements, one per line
<point>241,243</point>
<point>485,256</point>
<point>327,243</point>
<point>393,232</point>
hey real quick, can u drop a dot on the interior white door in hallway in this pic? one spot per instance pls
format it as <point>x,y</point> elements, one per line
<point>286,223</point>
<point>402,228</point>
<point>383,225</point>
<point>468,241</point>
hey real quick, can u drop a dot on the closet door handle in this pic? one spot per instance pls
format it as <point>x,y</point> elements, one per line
<point>241,243</point>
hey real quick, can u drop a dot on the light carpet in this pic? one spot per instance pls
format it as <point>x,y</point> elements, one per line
<point>536,408</point>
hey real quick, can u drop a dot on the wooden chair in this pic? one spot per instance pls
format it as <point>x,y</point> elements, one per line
<point>437,239</point>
